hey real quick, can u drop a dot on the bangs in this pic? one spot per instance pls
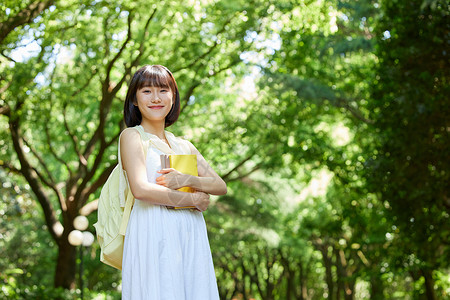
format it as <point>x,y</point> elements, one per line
<point>154,77</point>
<point>151,76</point>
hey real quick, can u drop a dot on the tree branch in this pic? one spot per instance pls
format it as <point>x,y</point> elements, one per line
<point>52,151</point>
<point>145,35</point>
<point>47,131</point>
<point>108,91</point>
<point>7,57</point>
<point>5,110</point>
<point>86,191</point>
<point>107,95</point>
<point>188,94</point>
<point>97,184</point>
<point>105,35</point>
<point>10,167</point>
<point>195,84</point>
<point>341,102</point>
<point>208,51</point>
<point>86,84</point>
<point>31,177</point>
<point>74,140</point>
<point>6,86</point>
<point>257,167</point>
<point>25,16</point>
<point>136,60</point>
<point>51,182</point>
<point>224,177</point>
<point>313,89</point>
<point>119,53</point>
<point>39,158</point>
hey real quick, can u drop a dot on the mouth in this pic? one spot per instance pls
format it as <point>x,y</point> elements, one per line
<point>156,107</point>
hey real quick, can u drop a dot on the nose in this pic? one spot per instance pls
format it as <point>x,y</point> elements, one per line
<point>155,98</point>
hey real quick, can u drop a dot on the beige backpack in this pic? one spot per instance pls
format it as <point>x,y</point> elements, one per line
<point>114,208</point>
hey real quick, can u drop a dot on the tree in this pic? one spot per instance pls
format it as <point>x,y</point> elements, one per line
<point>20,15</point>
<point>345,88</point>
<point>410,109</point>
<point>62,104</point>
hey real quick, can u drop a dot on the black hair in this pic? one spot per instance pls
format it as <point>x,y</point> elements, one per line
<point>153,76</point>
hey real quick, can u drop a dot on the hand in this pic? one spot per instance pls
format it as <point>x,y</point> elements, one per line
<point>172,178</point>
<point>201,201</point>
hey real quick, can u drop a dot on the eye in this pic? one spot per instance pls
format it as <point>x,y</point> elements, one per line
<point>164,91</point>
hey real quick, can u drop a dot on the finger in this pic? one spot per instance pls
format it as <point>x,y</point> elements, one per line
<point>165,170</point>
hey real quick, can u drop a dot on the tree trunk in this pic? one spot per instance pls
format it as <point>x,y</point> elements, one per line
<point>329,278</point>
<point>328,270</point>
<point>345,282</point>
<point>244,285</point>
<point>376,287</point>
<point>350,289</point>
<point>415,276</point>
<point>289,275</point>
<point>341,276</point>
<point>270,281</point>
<point>339,289</point>
<point>303,279</point>
<point>66,264</point>
<point>290,287</point>
<point>429,284</point>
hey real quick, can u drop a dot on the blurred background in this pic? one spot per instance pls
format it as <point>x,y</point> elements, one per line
<point>328,120</point>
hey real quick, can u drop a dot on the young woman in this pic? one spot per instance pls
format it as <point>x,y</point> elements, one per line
<point>166,251</point>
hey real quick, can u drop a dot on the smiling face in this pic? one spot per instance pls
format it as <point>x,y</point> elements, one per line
<point>152,86</point>
<point>154,102</point>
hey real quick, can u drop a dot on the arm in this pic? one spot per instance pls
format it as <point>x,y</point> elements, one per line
<point>133,162</point>
<point>207,181</point>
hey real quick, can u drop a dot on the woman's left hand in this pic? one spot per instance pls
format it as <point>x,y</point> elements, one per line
<point>172,178</point>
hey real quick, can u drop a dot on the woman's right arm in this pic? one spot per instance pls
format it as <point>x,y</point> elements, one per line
<point>133,162</point>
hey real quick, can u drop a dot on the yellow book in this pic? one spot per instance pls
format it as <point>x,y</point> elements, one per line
<point>186,164</point>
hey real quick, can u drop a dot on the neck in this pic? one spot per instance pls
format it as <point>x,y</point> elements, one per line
<point>154,128</point>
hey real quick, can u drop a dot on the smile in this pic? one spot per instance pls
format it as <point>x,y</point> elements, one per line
<point>156,107</point>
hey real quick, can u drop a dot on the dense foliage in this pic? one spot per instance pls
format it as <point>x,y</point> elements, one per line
<point>327,119</point>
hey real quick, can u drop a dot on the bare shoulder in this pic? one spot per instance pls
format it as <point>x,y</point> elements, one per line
<point>129,137</point>
<point>129,133</point>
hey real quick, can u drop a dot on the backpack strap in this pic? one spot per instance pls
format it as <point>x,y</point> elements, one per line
<point>144,140</point>
<point>157,143</point>
<point>129,202</point>
<point>126,190</point>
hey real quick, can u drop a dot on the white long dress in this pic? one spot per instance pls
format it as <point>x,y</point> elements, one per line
<point>166,251</point>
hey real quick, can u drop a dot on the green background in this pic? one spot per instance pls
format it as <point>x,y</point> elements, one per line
<point>328,120</point>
